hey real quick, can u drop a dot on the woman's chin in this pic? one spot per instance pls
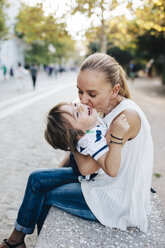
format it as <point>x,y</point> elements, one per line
<point>98,110</point>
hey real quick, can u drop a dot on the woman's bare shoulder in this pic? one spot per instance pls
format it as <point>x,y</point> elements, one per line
<point>134,123</point>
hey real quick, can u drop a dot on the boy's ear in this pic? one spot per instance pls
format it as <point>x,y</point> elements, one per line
<point>115,90</point>
<point>80,136</point>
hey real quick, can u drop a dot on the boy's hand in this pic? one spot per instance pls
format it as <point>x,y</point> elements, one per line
<point>120,126</point>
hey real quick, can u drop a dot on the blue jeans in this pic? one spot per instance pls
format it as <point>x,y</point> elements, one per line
<point>46,187</point>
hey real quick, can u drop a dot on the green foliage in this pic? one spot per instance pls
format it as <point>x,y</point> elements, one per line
<point>37,54</point>
<point>3,27</point>
<point>122,56</point>
<point>85,7</point>
<point>39,31</point>
<point>157,175</point>
<point>33,25</point>
<point>93,47</point>
<point>96,9</point>
<point>151,45</point>
<point>151,16</point>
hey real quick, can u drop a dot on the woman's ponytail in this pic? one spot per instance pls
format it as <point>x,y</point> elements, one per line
<point>124,90</point>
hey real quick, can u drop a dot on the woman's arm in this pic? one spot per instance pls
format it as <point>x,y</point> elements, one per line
<point>110,162</point>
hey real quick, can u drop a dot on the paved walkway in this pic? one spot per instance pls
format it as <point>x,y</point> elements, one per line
<point>63,230</point>
<point>24,149</point>
<point>150,95</point>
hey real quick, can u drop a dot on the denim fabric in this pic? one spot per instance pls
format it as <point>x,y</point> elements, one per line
<point>58,187</point>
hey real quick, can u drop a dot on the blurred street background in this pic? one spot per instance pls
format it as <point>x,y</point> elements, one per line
<point>23,148</point>
<point>42,44</point>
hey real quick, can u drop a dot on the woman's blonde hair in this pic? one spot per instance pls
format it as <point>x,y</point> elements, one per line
<point>114,73</point>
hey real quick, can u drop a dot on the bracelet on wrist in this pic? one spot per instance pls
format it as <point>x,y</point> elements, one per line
<point>116,137</point>
<point>115,142</point>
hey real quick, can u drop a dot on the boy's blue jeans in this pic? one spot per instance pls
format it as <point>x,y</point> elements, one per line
<point>45,187</point>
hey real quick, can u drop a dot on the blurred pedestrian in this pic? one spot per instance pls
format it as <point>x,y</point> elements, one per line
<point>20,76</point>
<point>149,68</point>
<point>55,71</point>
<point>132,71</point>
<point>11,72</point>
<point>50,70</point>
<point>4,71</point>
<point>33,72</point>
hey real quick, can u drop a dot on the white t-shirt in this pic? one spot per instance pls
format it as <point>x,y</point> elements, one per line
<point>94,143</point>
<point>122,201</point>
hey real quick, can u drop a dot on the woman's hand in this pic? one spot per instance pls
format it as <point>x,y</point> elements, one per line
<point>132,119</point>
<point>120,126</point>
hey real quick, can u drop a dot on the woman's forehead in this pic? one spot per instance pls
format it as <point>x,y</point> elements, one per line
<point>90,80</point>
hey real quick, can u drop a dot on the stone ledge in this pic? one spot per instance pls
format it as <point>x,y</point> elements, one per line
<point>62,230</point>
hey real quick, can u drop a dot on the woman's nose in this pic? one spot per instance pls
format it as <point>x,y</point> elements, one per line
<point>84,100</point>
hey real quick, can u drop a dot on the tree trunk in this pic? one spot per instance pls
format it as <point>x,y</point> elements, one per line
<point>103,38</point>
<point>103,41</point>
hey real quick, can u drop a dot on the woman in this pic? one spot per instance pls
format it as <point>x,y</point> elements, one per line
<point>118,196</point>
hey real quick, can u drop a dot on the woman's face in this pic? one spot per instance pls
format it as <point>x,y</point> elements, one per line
<point>93,90</point>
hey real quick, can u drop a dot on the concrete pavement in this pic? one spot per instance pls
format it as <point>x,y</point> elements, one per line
<point>150,95</point>
<point>24,149</point>
<point>63,230</point>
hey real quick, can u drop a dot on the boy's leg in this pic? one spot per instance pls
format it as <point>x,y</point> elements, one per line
<point>40,182</point>
<point>69,198</point>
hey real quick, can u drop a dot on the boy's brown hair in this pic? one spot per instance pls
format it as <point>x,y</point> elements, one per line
<point>59,132</point>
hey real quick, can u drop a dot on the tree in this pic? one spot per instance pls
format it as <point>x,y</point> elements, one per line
<point>149,45</point>
<point>97,9</point>
<point>3,27</point>
<point>151,16</point>
<point>149,23</point>
<point>32,25</point>
<point>40,31</point>
<point>37,54</point>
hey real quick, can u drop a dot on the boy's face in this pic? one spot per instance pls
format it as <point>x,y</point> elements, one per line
<point>80,116</point>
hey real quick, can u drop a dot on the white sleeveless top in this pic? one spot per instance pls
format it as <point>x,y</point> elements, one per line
<point>122,201</point>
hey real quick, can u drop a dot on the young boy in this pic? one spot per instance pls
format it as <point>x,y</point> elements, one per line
<point>76,126</point>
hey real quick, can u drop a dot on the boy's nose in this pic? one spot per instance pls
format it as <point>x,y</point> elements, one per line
<point>80,107</point>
